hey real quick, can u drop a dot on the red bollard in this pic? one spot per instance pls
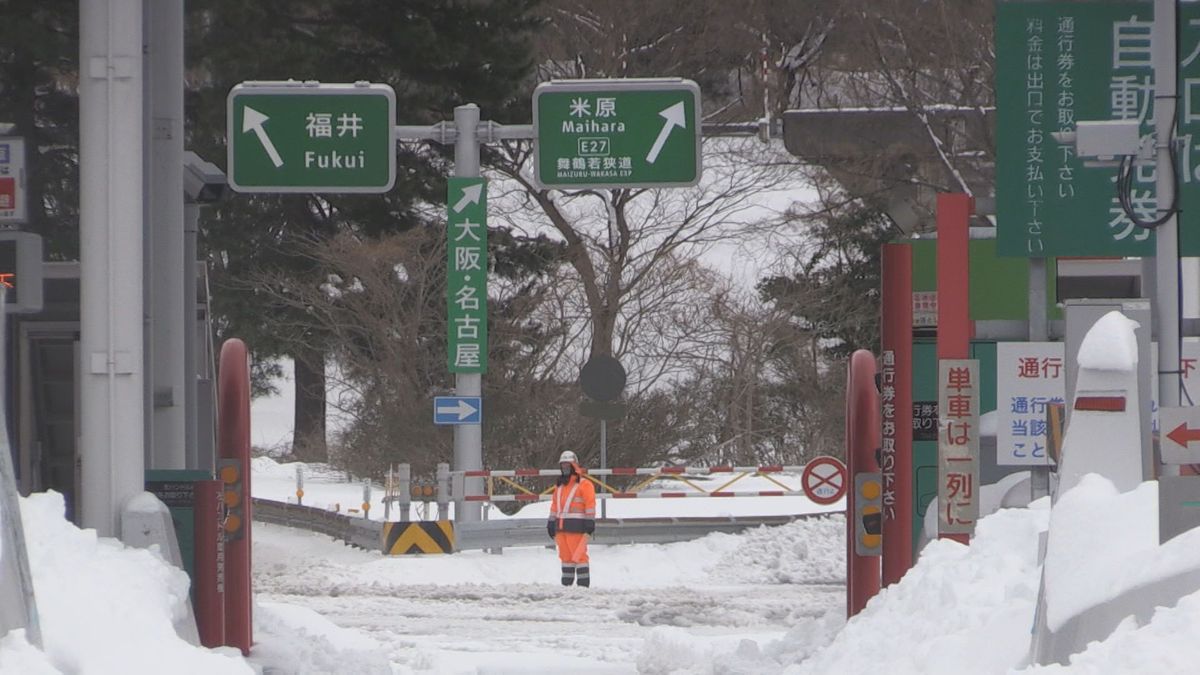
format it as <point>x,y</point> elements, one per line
<point>233,439</point>
<point>862,442</point>
<point>896,432</point>
<point>210,563</point>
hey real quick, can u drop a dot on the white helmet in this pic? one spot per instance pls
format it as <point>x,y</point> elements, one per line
<point>568,456</point>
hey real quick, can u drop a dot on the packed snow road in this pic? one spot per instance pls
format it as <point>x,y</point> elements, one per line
<point>476,612</point>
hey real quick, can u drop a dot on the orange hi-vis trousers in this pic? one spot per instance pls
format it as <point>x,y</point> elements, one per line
<point>572,547</point>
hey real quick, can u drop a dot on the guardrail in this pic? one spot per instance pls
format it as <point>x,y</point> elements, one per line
<point>495,534</point>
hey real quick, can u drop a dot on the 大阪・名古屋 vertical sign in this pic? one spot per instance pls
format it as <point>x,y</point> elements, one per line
<point>466,275</point>
<point>308,137</point>
<point>617,133</point>
<point>1059,63</point>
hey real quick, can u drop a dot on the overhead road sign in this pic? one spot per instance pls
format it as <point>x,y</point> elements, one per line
<point>457,410</point>
<point>1063,62</point>
<point>617,133</point>
<point>311,137</point>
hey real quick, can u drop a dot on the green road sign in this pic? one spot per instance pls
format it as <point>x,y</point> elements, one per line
<point>306,137</point>
<point>617,133</point>
<point>467,267</point>
<point>1059,63</point>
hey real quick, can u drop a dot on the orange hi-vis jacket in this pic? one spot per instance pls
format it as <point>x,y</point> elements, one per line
<point>573,505</point>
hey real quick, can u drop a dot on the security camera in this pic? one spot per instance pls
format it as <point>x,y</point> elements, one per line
<point>203,181</point>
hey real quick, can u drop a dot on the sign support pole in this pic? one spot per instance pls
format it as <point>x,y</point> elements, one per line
<point>603,462</point>
<point>1166,308</point>
<point>468,438</point>
<point>1039,476</point>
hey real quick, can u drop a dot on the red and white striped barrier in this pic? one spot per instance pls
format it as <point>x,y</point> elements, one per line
<point>638,495</point>
<point>665,471</point>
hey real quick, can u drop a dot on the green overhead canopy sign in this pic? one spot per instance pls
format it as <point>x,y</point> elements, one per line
<point>1059,63</point>
<point>617,133</point>
<point>307,137</point>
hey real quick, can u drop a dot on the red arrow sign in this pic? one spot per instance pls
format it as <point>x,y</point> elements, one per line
<point>1183,435</point>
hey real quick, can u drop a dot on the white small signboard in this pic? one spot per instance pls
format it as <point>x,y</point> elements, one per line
<point>1029,376</point>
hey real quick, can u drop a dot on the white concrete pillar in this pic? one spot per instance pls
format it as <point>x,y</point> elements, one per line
<point>110,230</point>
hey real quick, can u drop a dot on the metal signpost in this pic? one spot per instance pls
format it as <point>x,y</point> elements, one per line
<point>617,133</point>
<point>309,137</point>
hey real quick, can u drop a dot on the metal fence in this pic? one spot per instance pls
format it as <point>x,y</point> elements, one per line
<point>495,534</point>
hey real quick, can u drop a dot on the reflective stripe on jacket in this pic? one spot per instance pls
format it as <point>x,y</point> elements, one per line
<point>573,505</point>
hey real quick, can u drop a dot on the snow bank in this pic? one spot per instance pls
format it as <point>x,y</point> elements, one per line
<point>298,641</point>
<point>104,608</point>
<point>1167,644</point>
<point>811,551</point>
<point>1110,344</point>
<point>1084,569</point>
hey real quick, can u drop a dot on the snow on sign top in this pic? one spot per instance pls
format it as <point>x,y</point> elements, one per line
<point>1110,344</point>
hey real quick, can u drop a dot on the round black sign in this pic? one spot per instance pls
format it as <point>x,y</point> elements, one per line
<point>602,378</point>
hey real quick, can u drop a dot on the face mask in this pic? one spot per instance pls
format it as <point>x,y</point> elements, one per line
<point>566,470</point>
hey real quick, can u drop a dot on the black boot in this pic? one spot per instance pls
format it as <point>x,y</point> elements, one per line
<point>583,576</point>
<point>568,576</point>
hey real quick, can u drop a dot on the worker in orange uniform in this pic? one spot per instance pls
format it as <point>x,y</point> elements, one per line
<point>572,520</point>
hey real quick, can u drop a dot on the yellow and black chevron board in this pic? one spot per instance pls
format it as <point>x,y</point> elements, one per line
<point>426,536</point>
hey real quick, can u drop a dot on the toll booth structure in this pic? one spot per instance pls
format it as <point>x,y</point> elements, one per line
<point>998,309</point>
<point>42,386</point>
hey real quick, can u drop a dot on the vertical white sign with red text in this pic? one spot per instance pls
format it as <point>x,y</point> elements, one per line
<point>958,446</point>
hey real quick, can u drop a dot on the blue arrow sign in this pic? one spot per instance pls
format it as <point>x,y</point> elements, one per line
<point>457,410</point>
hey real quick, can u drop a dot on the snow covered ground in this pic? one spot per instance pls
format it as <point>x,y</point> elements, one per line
<point>767,601</point>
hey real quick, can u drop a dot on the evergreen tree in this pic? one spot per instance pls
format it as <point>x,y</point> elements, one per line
<point>39,56</point>
<point>436,54</point>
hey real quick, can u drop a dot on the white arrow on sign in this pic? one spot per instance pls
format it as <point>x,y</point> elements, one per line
<point>462,408</point>
<point>674,117</point>
<point>252,120</point>
<point>471,195</point>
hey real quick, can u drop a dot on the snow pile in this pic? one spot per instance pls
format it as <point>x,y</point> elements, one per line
<point>1167,644</point>
<point>104,608</point>
<point>1110,344</point>
<point>809,551</point>
<point>1083,569</point>
<point>961,609</point>
<point>298,641</point>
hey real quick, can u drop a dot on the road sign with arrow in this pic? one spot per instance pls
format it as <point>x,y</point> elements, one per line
<point>309,137</point>
<point>1179,435</point>
<point>617,133</point>
<point>457,410</point>
<point>466,275</point>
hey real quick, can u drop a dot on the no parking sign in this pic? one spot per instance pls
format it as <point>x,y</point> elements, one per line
<point>824,480</point>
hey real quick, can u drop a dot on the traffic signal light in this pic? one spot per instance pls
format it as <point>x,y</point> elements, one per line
<point>868,515</point>
<point>230,471</point>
